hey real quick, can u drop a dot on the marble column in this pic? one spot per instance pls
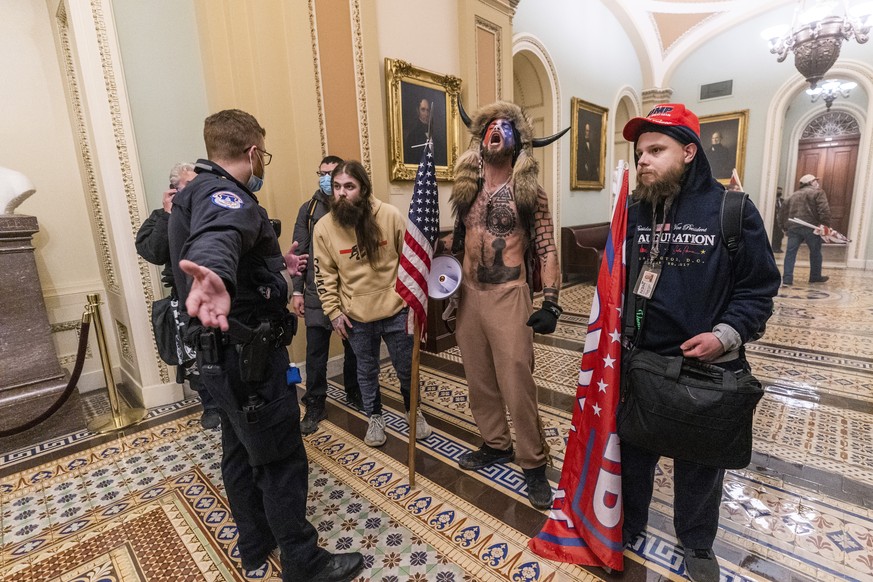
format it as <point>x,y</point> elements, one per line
<point>31,378</point>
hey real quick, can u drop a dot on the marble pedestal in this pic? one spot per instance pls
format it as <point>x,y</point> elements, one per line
<point>31,378</point>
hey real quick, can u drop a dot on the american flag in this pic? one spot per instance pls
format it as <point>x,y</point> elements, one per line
<point>422,231</point>
<point>584,525</point>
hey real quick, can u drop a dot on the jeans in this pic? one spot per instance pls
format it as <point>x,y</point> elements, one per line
<point>365,339</point>
<point>813,241</point>
<point>317,348</point>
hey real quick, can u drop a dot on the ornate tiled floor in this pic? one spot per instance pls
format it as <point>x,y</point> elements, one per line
<point>149,505</point>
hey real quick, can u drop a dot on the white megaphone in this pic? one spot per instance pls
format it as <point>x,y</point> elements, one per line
<point>444,278</point>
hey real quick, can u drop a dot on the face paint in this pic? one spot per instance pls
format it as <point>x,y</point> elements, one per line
<point>501,128</point>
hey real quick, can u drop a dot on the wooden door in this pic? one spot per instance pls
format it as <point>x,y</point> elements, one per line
<point>833,161</point>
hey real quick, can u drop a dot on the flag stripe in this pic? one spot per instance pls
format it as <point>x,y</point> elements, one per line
<point>584,526</point>
<point>422,231</point>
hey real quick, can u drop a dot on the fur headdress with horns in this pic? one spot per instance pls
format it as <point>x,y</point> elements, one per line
<point>524,170</point>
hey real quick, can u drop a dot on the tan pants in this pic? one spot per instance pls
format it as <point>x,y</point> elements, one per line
<point>497,349</point>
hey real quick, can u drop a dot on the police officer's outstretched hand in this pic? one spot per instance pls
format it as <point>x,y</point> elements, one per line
<point>296,264</point>
<point>208,299</point>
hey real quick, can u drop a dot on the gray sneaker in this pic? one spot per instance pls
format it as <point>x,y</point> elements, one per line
<point>422,429</point>
<point>701,565</point>
<point>376,432</point>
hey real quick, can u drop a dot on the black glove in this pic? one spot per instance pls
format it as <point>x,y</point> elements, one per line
<point>545,319</point>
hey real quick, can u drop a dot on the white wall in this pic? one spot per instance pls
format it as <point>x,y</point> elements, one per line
<point>38,141</point>
<point>594,59</point>
<point>163,74</point>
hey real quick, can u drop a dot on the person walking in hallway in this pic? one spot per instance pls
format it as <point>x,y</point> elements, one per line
<point>809,204</point>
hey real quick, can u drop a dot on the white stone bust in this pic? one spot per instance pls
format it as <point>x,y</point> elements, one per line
<point>15,188</point>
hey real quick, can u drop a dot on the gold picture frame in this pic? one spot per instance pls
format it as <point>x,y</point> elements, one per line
<point>410,88</point>
<point>730,151</point>
<point>587,156</point>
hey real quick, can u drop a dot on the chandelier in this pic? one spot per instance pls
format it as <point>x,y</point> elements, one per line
<point>816,34</point>
<point>830,90</point>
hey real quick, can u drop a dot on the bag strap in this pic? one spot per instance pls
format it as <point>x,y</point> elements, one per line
<point>732,206</point>
<point>310,212</point>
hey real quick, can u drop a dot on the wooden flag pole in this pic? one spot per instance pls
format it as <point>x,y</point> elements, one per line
<point>413,398</point>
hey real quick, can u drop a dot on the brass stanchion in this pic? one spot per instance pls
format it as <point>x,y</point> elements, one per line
<point>117,418</point>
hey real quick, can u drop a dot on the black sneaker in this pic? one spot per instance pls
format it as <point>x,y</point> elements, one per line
<point>539,492</point>
<point>354,400</point>
<point>210,418</point>
<point>484,457</point>
<point>821,279</point>
<point>701,565</point>
<point>787,282</point>
<point>314,415</point>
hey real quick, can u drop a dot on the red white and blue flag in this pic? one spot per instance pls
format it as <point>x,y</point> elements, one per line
<point>419,242</point>
<point>584,525</point>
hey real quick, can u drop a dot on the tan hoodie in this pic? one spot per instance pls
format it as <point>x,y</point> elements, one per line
<point>345,281</point>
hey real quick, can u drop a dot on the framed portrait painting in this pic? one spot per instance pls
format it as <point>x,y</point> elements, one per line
<point>588,150</point>
<point>422,105</point>
<point>724,140</point>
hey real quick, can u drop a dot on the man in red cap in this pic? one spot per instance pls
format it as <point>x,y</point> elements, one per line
<point>691,297</point>
<point>809,204</point>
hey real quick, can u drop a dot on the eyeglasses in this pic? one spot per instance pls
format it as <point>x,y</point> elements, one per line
<point>319,173</point>
<point>267,157</point>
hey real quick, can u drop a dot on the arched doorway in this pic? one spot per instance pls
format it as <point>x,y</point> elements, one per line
<point>828,149</point>
<point>535,88</point>
<point>623,149</point>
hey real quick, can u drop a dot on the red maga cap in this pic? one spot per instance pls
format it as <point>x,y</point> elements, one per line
<point>666,114</point>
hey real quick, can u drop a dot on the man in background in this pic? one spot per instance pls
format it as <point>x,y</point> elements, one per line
<point>809,204</point>
<point>153,245</point>
<point>307,305</point>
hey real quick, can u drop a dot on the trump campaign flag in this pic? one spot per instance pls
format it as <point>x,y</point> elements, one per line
<point>584,525</point>
<point>422,231</point>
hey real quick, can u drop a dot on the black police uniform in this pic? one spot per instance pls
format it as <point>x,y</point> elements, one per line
<point>217,223</point>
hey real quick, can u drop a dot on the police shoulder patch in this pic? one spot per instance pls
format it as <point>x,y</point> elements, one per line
<point>226,199</point>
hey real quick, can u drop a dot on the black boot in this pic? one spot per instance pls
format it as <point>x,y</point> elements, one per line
<point>314,414</point>
<point>539,492</point>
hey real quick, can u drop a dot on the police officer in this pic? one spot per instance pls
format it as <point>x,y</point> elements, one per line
<point>223,240</point>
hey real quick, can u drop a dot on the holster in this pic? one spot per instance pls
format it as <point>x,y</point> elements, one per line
<point>254,353</point>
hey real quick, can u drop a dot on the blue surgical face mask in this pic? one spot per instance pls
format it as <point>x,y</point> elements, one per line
<point>255,182</point>
<point>324,184</point>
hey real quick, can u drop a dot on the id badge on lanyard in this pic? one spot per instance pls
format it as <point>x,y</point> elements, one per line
<point>647,280</point>
<point>650,274</point>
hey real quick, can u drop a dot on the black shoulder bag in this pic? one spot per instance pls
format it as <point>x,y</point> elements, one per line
<point>682,408</point>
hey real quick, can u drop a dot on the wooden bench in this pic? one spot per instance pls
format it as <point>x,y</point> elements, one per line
<point>582,249</point>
